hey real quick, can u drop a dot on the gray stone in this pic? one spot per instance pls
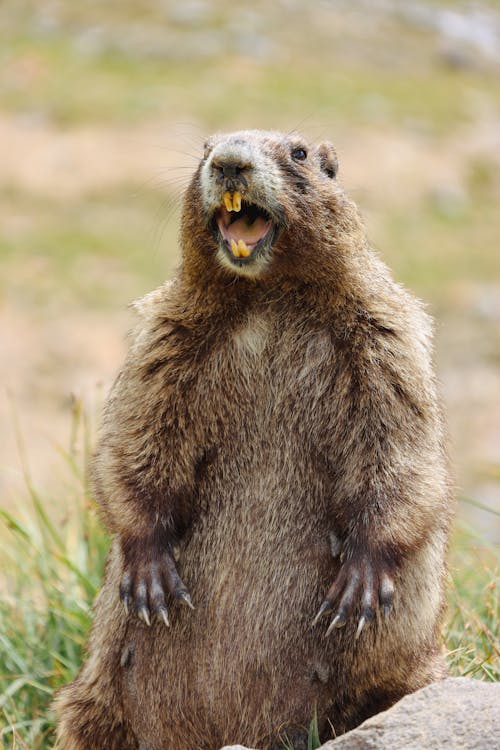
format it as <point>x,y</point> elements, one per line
<point>456,714</point>
<point>190,13</point>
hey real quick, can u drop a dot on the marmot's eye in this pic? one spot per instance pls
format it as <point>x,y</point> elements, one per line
<point>299,154</point>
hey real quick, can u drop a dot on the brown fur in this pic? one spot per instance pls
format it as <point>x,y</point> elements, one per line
<point>254,417</point>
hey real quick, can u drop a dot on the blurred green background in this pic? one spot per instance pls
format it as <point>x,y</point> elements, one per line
<point>103,111</point>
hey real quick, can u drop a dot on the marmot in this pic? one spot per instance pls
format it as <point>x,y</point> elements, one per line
<point>271,450</point>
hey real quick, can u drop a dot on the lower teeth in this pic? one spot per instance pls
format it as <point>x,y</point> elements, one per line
<point>240,249</point>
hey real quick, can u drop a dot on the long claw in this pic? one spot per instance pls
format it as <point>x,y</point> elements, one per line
<point>184,597</point>
<point>143,613</point>
<point>164,616</point>
<point>360,581</point>
<point>126,602</point>
<point>325,607</point>
<point>337,622</point>
<point>361,624</point>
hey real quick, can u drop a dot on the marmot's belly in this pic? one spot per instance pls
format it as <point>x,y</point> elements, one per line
<point>257,573</point>
<point>256,584</point>
<point>249,564</point>
<point>254,572</point>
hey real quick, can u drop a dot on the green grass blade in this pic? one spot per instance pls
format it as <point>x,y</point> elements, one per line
<point>14,525</point>
<point>478,504</point>
<point>46,523</point>
<point>12,689</point>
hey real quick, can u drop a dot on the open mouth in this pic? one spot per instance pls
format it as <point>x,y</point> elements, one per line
<point>244,229</point>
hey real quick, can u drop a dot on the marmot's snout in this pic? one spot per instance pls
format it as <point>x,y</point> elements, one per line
<point>230,173</point>
<point>230,167</point>
<point>240,199</point>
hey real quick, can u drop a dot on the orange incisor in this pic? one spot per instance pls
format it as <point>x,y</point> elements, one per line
<point>240,249</point>
<point>232,201</point>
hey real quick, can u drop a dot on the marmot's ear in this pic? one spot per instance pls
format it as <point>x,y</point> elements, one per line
<point>328,159</point>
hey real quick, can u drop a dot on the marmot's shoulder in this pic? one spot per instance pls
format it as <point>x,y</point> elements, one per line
<point>155,303</point>
<point>155,311</point>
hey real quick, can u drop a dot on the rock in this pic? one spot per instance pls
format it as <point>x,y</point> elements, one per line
<point>456,714</point>
<point>193,13</point>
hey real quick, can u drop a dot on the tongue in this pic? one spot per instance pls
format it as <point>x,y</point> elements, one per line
<point>242,229</point>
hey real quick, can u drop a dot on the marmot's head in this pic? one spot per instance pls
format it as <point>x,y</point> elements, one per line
<point>264,201</point>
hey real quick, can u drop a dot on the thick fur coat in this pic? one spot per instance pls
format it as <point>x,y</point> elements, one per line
<point>273,441</point>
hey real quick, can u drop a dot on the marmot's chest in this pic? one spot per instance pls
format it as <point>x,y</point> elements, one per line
<point>270,409</point>
<point>271,380</point>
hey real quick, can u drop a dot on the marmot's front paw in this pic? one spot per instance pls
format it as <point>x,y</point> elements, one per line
<point>362,580</point>
<point>149,573</point>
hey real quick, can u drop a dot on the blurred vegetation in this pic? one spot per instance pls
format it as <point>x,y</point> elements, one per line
<point>225,64</point>
<point>82,255</point>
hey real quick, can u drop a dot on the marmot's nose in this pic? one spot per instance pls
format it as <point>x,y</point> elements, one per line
<point>231,173</point>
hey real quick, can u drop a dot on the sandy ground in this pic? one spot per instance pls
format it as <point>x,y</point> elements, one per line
<point>65,164</point>
<point>48,354</point>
